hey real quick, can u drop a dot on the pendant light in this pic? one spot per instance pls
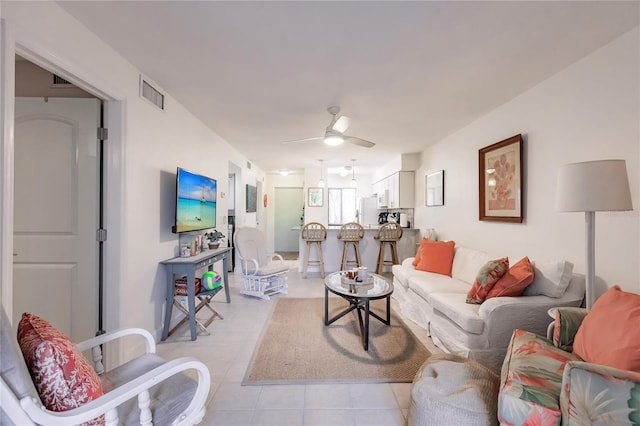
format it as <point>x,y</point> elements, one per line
<point>321,181</point>
<point>354,182</point>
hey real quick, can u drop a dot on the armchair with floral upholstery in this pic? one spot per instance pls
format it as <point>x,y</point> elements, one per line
<point>544,381</point>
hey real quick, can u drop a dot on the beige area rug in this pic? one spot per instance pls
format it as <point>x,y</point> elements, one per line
<point>289,255</point>
<point>296,347</point>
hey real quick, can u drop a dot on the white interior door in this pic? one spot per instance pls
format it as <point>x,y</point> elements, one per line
<point>56,213</point>
<point>287,206</point>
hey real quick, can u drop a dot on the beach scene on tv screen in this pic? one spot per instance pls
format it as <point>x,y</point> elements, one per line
<point>196,204</point>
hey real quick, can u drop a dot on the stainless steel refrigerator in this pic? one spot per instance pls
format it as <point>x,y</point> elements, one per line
<point>368,211</point>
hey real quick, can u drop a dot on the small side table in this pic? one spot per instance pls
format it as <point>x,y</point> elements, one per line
<point>188,266</point>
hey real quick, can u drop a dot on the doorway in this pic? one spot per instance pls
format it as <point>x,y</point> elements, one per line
<point>288,204</point>
<point>57,164</point>
<point>56,213</point>
<point>114,163</point>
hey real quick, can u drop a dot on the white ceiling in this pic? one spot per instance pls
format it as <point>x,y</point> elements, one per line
<point>406,73</point>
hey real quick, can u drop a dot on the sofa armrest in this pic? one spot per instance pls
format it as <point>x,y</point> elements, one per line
<point>408,262</point>
<point>502,315</point>
<point>594,393</point>
<point>566,326</point>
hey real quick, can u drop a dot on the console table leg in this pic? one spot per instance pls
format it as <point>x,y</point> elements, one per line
<point>191,298</point>
<point>168,304</point>
<point>225,276</point>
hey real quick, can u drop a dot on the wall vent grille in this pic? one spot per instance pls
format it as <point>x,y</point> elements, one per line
<point>150,93</point>
<point>248,165</point>
<point>58,81</point>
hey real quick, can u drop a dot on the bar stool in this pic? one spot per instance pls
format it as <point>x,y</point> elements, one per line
<point>313,233</point>
<point>350,234</point>
<point>388,234</point>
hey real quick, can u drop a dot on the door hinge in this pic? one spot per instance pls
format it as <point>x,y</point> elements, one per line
<point>101,235</point>
<point>103,133</point>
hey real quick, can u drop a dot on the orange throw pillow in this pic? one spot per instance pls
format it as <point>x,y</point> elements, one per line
<point>416,260</point>
<point>513,283</point>
<point>487,277</point>
<point>609,334</point>
<point>436,256</point>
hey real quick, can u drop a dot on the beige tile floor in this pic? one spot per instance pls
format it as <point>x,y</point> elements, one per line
<point>228,350</point>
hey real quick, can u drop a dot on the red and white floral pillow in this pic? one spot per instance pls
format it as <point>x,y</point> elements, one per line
<point>62,375</point>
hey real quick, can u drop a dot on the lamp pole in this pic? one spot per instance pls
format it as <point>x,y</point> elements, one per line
<point>590,238</point>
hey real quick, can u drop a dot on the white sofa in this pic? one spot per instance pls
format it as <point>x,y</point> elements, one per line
<point>481,332</point>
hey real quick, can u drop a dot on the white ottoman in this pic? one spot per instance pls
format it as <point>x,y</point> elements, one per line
<point>453,390</point>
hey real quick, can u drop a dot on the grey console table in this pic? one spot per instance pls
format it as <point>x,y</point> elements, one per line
<point>188,266</point>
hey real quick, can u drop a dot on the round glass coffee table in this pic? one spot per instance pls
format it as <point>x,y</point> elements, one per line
<point>358,294</point>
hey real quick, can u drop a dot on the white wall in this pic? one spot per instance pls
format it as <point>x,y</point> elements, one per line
<point>589,111</point>
<point>155,143</point>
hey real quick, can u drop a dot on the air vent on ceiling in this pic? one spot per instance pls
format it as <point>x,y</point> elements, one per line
<point>150,93</point>
<point>58,81</point>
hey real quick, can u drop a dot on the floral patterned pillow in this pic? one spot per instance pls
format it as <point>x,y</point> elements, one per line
<point>487,277</point>
<point>62,375</point>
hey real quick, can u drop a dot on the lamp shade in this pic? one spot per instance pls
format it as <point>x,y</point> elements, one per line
<point>593,186</point>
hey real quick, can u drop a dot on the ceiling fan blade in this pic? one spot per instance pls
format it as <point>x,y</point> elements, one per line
<point>342,124</point>
<point>358,141</point>
<point>317,138</point>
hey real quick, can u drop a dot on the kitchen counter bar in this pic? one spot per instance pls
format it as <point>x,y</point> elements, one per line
<point>369,247</point>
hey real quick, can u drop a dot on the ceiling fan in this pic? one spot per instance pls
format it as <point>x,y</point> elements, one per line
<point>334,133</point>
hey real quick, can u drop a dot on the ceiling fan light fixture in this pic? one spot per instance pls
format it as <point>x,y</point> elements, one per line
<point>321,181</point>
<point>333,140</point>
<point>354,182</point>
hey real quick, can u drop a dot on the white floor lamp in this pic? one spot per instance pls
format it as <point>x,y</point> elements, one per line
<point>591,187</point>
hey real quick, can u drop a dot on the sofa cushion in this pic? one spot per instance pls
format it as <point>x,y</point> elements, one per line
<point>454,307</point>
<point>609,334</point>
<point>428,282</point>
<point>487,277</point>
<point>514,281</point>
<point>531,380</point>
<point>62,375</point>
<point>436,256</point>
<point>404,271</point>
<point>467,262</point>
<point>551,279</point>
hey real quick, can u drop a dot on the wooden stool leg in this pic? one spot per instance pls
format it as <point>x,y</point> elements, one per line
<point>307,251</point>
<point>345,248</point>
<point>394,253</point>
<point>380,258</point>
<point>320,258</point>
<point>356,246</point>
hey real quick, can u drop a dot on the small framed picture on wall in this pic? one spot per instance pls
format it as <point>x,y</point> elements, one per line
<point>315,197</point>
<point>434,189</point>
<point>500,181</point>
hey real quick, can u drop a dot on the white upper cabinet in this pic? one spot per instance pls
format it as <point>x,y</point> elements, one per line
<point>396,191</point>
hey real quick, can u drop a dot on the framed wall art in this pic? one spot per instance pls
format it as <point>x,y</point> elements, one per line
<point>434,189</point>
<point>251,199</point>
<point>500,181</point>
<point>315,197</point>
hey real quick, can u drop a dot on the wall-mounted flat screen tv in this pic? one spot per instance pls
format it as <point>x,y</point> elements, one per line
<point>252,199</point>
<point>196,202</point>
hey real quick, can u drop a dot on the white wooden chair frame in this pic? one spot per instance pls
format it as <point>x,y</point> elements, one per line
<point>259,280</point>
<point>30,411</point>
<point>262,286</point>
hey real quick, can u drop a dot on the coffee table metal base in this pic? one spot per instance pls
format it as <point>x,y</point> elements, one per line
<point>361,305</point>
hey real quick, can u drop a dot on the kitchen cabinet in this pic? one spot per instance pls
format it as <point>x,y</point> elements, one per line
<point>396,191</point>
